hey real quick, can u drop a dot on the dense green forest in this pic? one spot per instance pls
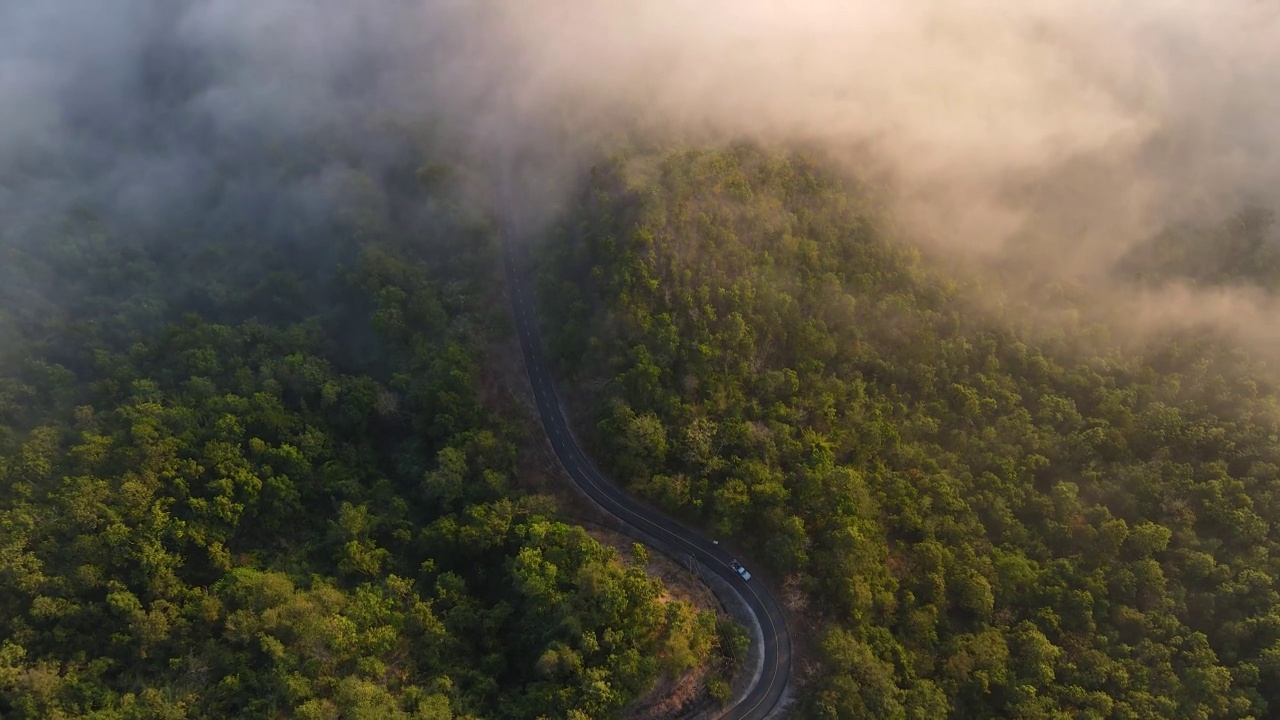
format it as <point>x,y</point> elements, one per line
<point>259,471</point>
<point>264,470</point>
<point>984,519</point>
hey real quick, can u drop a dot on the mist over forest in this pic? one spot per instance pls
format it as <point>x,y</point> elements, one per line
<point>958,317</point>
<point>1064,137</point>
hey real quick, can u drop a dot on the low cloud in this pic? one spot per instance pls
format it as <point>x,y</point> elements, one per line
<point>1060,132</point>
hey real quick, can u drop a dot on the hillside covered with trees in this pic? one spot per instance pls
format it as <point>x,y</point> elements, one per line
<point>257,470</point>
<point>984,520</point>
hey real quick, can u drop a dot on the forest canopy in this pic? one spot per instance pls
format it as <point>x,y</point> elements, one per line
<point>266,475</point>
<point>964,352</point>
<point>984,520</point>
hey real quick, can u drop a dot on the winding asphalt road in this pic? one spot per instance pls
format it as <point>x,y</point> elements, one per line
<point>769,684</point>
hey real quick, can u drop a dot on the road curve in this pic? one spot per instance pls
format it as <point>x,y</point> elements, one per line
<point>761,699</point>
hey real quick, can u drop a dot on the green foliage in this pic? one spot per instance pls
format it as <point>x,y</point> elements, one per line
<point>992,522</point>
<point>302,510</point>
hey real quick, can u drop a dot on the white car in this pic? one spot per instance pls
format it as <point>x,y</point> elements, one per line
<point>737,567</point>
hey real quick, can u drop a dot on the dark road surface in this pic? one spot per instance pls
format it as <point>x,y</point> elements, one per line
<point>761,699</point>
